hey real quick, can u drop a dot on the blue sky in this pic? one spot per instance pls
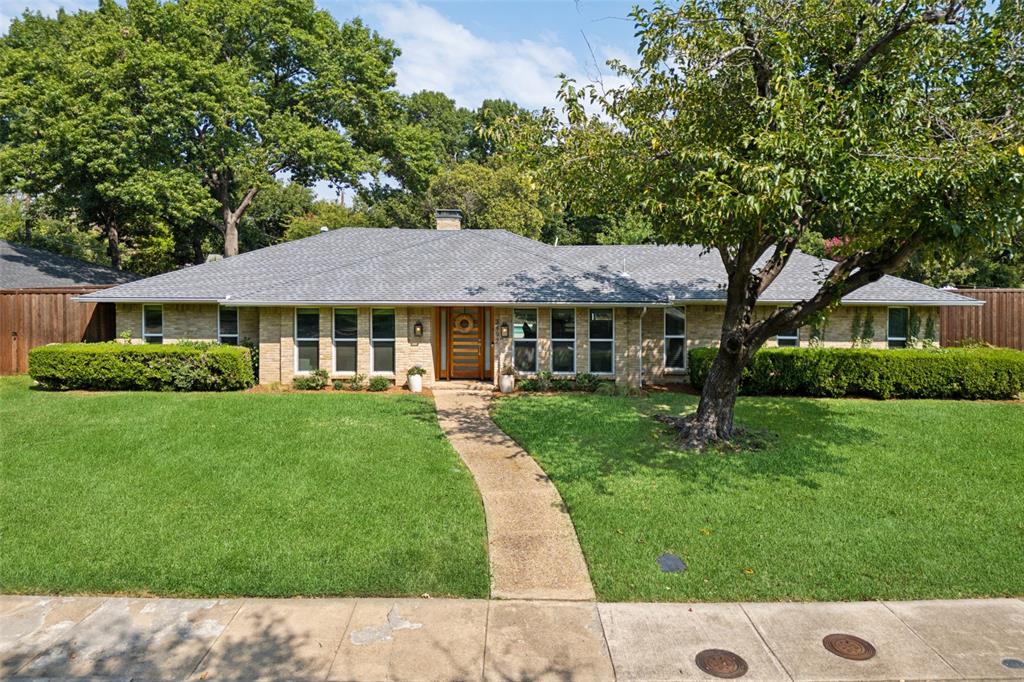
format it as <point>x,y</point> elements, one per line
<point>475,49</point>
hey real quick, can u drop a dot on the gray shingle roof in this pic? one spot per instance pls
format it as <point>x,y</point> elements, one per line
<point>370,265</point>
<point>24,267</point>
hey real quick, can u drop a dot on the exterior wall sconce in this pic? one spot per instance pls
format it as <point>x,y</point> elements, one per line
<point>417,329</point>
<point>503,330</point>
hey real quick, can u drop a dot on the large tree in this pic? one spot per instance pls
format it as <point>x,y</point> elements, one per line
<point>289,92</point>
<point>894,124</point>
<point>90,113</point>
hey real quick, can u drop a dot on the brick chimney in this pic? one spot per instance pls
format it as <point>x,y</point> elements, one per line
<point>448,218</point>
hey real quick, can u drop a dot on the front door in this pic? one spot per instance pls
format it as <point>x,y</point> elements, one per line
<point>466,343</point>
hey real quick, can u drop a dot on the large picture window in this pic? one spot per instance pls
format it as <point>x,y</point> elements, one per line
<point>899,322</point>
<point>227,326</point>
<point>307,340</point>
<point>524,339</point>
<point>345,334</point>
<point>602,341</point>
<point>382,340</point>
<point>563,340</point>
<point>675,338</point>
<point>153,323</point>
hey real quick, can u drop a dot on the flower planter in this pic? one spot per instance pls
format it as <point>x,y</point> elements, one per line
<point>416,383</point>
<point>507,383</point>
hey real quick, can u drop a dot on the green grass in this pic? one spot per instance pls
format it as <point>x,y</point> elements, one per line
<point>233,494</point>
<point>851,499</point>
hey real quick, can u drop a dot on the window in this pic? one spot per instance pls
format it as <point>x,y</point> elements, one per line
<point>307,339</point>
<point>382,340</point>
<point>563,340</point>
<point>345,327</point>
<point>602,341</point>
<point>788,337</point>
<point>899,319</point>
<point>524,339</point>
<point>227,326</point>
<point>153,323</point>
<point>675,338</point>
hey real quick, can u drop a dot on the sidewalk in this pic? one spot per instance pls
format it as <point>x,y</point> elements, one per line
<point>453,639</point>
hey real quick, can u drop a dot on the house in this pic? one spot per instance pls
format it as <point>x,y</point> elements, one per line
<point>464,303</point>
<point>36,306</point>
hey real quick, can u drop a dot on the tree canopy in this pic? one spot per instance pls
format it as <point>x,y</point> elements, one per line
<point>894,126</point>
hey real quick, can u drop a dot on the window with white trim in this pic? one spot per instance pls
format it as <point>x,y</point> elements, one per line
<point>675,338</point>
<point>227,326</point>
<point>382,340</point>
<point>563,340</point>
<point>899,323</point>
<point>345,334</point>
<point>602,340</point>
<point>153,323</point>
<point>524,339</point>
<point>788,338</point>
<point>307,340</point>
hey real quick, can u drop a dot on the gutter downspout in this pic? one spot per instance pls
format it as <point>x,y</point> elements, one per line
<point>643,312</point>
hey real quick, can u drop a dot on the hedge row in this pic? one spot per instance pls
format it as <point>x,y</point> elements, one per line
<point>949,373</point>
<point>133,367</point>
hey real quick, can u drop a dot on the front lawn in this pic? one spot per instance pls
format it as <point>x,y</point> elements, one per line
<point>853,500</point>
<point>233,494</point>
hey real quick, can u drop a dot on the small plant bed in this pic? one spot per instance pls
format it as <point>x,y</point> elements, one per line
<point>846,500</point>
<point>262,494</point>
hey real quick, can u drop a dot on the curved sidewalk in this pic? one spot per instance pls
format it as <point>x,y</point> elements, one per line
<point>534,552</point>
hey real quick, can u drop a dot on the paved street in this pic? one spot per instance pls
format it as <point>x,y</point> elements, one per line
<point>452,639</point>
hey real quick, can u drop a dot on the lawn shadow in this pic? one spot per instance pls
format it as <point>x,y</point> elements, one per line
<point>618,437</point>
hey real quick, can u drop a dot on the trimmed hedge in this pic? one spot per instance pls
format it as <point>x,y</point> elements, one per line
<point>141,367</point>
<point>948,373</point>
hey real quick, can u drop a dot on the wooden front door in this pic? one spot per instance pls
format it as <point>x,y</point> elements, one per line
<point>466,343</point>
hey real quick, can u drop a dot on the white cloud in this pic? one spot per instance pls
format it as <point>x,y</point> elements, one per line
<point>440,54</point>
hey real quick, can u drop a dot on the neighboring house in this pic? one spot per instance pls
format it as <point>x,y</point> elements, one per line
<point>464,303</point>
<point>36,307</point>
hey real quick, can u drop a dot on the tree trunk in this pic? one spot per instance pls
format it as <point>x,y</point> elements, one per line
<point>197,250</point>
<point>114,246</point>
<point>713,421</point>
<point>230,232</point>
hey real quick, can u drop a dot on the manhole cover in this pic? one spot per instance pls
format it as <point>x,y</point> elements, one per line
<point>670,563</point>
<point>1013,663</point>
<point>721,663</point>
<point>849,646</point>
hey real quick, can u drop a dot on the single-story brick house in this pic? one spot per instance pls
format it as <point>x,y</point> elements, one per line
<point>464,303</point>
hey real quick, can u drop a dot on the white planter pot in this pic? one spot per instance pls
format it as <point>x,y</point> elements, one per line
<point>416,383</point>
<point>507,383</point>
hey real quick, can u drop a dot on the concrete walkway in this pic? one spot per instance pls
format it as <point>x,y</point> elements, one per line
<point>452,639</point>
<point>534,552</point>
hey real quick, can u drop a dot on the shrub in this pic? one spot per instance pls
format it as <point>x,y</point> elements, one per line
<point>356,382</point>
<point>528,385</point>
<point>141,367</point>
<point>415,370</point>
<point>379,383</point>
<point>314,381</point>
<point>947,373</point>
<point>586,381</point>
<point>254,354</point>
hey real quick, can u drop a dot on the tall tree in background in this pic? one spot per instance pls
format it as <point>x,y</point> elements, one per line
<point>896,125</point>
<point>90,113</point>
<point>288,92</point>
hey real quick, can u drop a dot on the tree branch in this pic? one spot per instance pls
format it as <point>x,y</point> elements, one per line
<point>947,15</point>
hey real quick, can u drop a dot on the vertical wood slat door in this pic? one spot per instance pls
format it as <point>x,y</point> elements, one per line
<point>465,343</point>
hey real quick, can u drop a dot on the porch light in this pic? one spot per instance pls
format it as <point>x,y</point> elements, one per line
<point>504,330</point>
<point>417,329</point>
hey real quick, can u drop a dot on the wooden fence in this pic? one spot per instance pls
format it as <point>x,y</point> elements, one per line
<point>999,322</point>
<point>35,317</point>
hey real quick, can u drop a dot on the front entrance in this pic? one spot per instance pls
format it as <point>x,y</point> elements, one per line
<point>464,347</point>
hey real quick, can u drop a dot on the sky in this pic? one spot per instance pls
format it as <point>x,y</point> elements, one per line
<point>475,49</point>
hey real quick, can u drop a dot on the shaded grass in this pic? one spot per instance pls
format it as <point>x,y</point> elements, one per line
<point>849,500</point>
<point>233,494</point>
